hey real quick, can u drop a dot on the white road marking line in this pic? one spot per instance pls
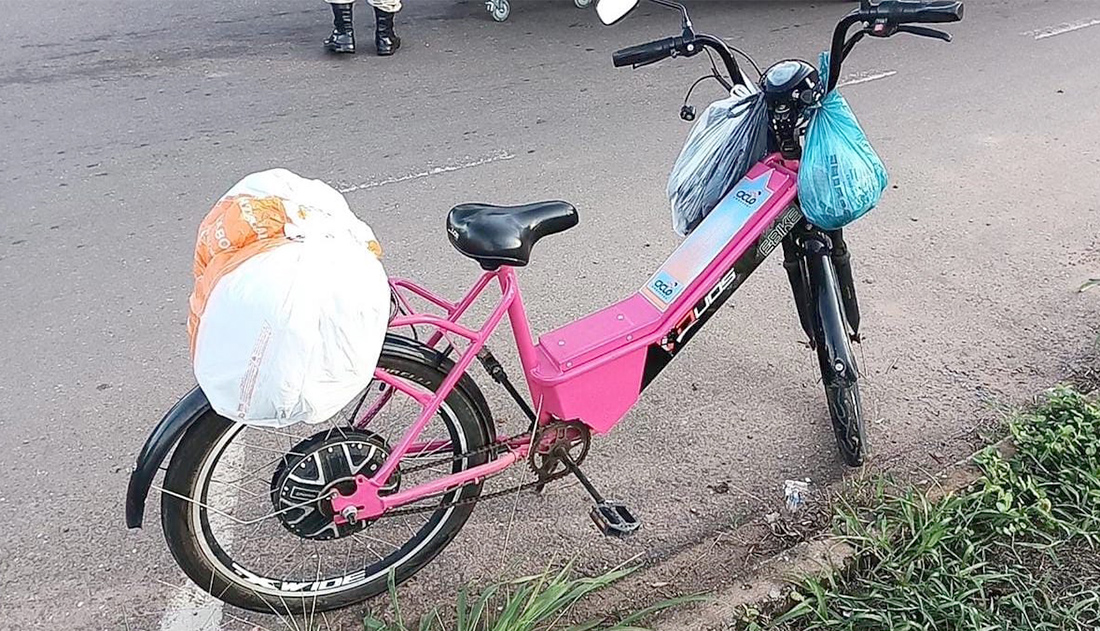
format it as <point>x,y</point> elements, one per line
<point>449,168</point>
<point>859,78</point>
<point>191,608</point>
<point>1062,29</point>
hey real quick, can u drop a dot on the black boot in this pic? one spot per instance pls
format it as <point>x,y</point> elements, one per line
<point>385,40</point>
<point>342,39</point>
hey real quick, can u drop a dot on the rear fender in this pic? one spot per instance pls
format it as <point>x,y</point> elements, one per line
<point>194,405</point>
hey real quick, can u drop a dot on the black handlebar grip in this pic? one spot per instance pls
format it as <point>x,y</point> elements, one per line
<point>645,53</point>
<point>917,12</point>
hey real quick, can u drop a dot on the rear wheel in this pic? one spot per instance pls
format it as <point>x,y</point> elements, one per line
<point>240,517</point>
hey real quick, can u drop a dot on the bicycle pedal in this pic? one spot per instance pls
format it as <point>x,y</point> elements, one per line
<point>614,519</point>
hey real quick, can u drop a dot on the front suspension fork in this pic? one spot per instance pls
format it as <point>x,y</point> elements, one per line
<point>794,262</point>
<point>842,262</point>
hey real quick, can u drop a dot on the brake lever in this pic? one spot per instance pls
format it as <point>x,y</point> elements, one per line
<point>924,31</point>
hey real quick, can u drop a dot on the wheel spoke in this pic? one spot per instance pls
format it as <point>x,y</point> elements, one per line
<point>367,546</point>
<point>370,538</point>
<point>238,488</point>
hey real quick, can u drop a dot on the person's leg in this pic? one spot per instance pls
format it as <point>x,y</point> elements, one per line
<point>385,40</point>
<point>342,39</point>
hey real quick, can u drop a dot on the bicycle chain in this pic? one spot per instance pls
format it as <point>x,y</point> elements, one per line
<point>398,512</point>
<point>494,446</point>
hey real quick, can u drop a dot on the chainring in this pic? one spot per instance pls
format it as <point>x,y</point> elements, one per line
<point>325,462</point>
<point>574,437</point>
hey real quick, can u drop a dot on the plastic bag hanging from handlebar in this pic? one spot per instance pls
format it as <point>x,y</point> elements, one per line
<point>724,143</point>
<point>840,177</point>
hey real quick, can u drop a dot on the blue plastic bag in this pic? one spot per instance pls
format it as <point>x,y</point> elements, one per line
<point>840,177</point>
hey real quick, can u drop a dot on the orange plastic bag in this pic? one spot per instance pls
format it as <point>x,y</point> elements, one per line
<point>236,229</point>
<point>290,304</point>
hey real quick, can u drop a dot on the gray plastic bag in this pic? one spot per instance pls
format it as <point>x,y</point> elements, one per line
<point>724,143</point>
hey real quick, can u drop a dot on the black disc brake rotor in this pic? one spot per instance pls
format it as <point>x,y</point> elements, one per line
<point>314,468</point>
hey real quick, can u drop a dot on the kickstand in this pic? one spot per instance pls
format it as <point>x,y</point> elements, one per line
<point>613,519</point>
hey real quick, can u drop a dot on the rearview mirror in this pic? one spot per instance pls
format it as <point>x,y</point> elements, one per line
<point>611,11</point>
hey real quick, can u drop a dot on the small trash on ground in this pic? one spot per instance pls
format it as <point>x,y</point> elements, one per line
<point>795,491</point>
<point>721,488</point>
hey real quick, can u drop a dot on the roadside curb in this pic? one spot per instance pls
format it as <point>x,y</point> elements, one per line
<point>767,582</point>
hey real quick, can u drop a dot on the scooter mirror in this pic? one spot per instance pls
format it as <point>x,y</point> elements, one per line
<point>611,11</point>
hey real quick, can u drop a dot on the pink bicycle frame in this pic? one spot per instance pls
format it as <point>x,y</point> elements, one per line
<point>594,369</point>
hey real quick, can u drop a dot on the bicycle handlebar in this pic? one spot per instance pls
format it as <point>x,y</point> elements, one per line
<point>913,12</point>
<point>887,18</point>
<point>648,53</point>
<point>685,46</point>
<point>884,19</point>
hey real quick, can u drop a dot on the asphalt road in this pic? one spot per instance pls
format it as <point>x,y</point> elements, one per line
<point>122,121</point>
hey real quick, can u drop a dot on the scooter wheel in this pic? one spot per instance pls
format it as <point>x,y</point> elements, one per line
<point>500,10</point>
<point>582,4</point>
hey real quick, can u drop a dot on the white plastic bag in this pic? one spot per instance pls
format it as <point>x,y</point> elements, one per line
<point>724,143</point>
<point>314,209</point>
<point>291,302</point>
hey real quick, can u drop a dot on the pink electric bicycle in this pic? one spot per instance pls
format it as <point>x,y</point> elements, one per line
<point>302,519</point>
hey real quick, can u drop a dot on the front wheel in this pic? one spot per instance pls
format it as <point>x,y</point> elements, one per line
<point>245,509</point>
<point>839,373</point>
<point>846,414</point>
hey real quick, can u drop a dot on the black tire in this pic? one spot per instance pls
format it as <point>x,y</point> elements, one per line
<point>846,414</point>
<point>841,390</point>
<point>187,527</point>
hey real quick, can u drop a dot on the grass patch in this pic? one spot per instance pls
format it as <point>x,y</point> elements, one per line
<point>1019,550</point>
<point>535,603</point>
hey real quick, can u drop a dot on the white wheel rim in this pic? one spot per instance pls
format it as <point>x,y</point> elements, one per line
<point>267,586</point>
